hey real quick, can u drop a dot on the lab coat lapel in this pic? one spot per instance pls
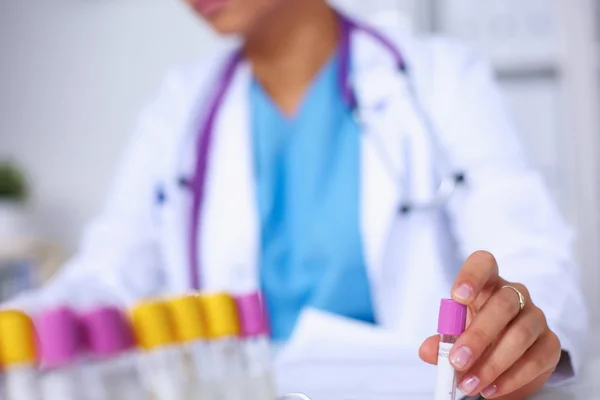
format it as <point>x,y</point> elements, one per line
<point>382,167</point>
<point>396,164</point>
<point>229,232</point>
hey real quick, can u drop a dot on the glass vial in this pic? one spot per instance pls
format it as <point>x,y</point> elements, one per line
<point>451,324</point>
<point>18,356</point>
<point>61,356</point>
<point>192,335</point>
<point>161,361</point>
<point>225,346</point>
<point>111,348</point>
<point>256,349</point>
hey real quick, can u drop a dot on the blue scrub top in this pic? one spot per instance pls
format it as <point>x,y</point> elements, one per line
<point>308,182</point>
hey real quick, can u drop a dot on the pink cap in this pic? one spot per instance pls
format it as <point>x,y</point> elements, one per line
<point>252,315</point>
<point>452,319</point>
<point>60,338</point>
<point>107,332</point>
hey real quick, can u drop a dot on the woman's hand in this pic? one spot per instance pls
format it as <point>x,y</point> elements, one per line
<point>505,352</point>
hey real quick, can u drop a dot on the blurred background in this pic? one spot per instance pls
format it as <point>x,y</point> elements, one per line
<point>74,74</point>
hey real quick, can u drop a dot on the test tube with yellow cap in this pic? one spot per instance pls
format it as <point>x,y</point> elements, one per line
<point>223,331</point>
<point>192,334</point>
<point>18,355</point>
<point>162,362</point>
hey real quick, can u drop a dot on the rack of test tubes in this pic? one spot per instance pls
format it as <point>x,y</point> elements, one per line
<point>205,346</point>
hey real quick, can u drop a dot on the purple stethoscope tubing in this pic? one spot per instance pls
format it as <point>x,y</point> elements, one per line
<point>205,134</point>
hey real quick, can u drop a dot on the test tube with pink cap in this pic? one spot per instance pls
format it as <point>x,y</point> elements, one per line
<point>111,348</point>
<point>255,347</point>
<point>451,324</point>
<point>61,348</point>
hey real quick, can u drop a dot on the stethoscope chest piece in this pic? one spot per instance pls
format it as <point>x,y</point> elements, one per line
<point>442,195</point>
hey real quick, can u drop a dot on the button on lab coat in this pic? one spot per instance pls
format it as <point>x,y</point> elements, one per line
<point>138,247</point>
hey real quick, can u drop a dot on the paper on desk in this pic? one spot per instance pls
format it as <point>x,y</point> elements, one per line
<point>335,358</point>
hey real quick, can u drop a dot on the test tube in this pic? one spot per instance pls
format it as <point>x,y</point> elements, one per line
<point>18,356</point>
<point>255,348</point>
<point>61,356</point>
<point>111,347</point>
<point>192,334</point>
<point>451,324</point>
<point>223,330</point>
<point>162,363</point>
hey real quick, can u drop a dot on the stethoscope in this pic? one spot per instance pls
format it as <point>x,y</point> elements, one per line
<point>446,188</point>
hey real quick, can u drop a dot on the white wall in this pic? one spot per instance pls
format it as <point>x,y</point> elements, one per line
<point>546,57</point>
<point>73,75</point>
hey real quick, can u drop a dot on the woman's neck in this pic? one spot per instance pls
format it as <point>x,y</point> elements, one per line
<point>289,48</point>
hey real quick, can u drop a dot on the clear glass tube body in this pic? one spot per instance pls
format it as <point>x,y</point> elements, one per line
<point>200,369</point>
<point>446,381</point>
<point>118,378</point>
<point>228,370</point>
<point>258,375</point>
<point>164,373</point>
<point>68,383</point>
<point>22,383</point>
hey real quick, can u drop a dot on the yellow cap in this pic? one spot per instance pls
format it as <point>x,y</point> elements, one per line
<point>188,319</point>
<point>153,324</point>
<point>221,315</point>
<point>17,339</point>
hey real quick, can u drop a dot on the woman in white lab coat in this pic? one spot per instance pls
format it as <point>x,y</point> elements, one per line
<point>309,163</point>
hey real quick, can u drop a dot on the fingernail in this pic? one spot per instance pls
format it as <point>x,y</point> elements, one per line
<point>463,292</point>
<point>461,357</point>
<point>489,391</point>
<point>468,385</point>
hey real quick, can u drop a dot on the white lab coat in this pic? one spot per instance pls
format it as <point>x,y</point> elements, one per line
<point>138,248</point>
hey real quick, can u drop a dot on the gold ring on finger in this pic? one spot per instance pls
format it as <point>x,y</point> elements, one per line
<point>521,296</point>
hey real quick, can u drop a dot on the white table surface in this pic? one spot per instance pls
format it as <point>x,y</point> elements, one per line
<point>585,387</point>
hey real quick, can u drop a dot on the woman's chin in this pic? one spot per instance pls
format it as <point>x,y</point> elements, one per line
<point>232,17</point>
<point>226,25</point>
<point>209,8</point>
